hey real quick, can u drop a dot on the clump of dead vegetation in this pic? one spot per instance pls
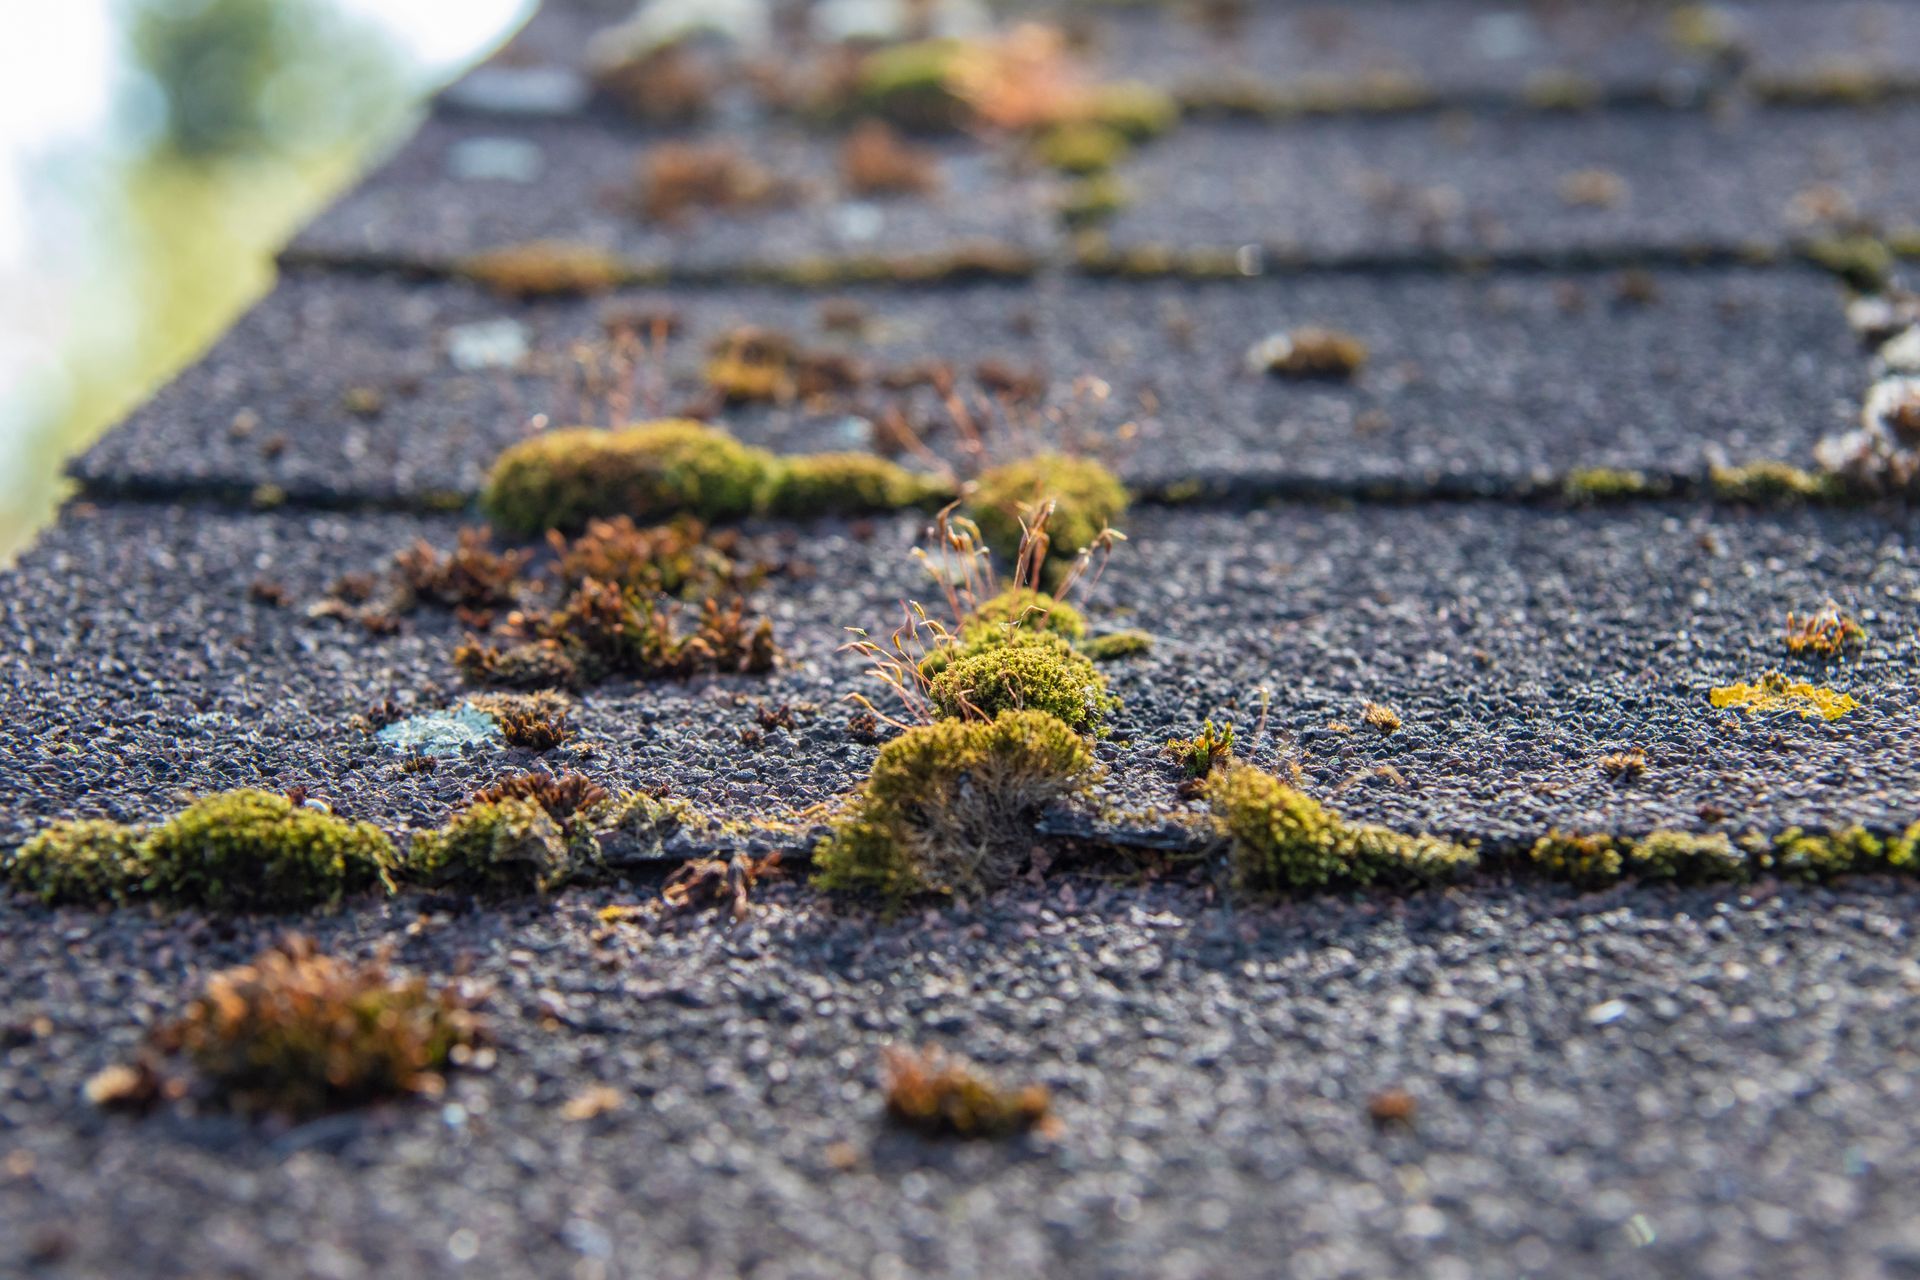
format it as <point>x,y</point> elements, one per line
<point>939,1096</point>
<point>300,1032</point>
<point>1828,632</point>
<point>876,162</point>
<point>677,178</point>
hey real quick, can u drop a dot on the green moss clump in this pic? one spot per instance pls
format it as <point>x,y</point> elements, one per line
<point>1016,610</point>
<point>1081,148</point>
<point>1087,499</point>
<point>1595,485</point>
<point>1206,751</point>
<point>1117,644</point>
<point>950,807</point>
<point>1864,262</point>
<point>1578,859</point>
<point>651,471</point>
<point>251,849</point>
<point>852,484</point>
<point>1137,112</point>
<point>1093,200</point>
<point>1028,610</point>
<point>1773,483</point>
<point>1024,671</point>
<point>912,85</point>
<point>1284,841</point>
<point>506,846</point>
<point>85,860</point>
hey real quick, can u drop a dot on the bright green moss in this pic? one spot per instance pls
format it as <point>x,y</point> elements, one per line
<point>1137,112</point>
<point>87,860</point>
<point>993,621</point>
<point>652,471</point>
<point>1033,671</point>
<point>1206,751</point>
<point>851,484</point>
<point>950,807</point>
<point>1087,499</point>
<point>1284,841</point>
<point>506,846</point>
<point>1592,485</point>
<point>1117,644</point>
<point>1081,147</point>
<point>252,849</point>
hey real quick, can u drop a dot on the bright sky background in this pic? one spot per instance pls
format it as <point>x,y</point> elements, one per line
<point>60,74</point>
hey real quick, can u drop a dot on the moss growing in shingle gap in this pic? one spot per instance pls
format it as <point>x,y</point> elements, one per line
<point>1864,262</point>
<point>852,484</point>
<point>950,807</point>
<point>1023,670</point>
<point>1087,499</point>
<point>1592,486</point>
<point>505,846</point>
<point>251,849</point>
<point>86,860</point>
<point>1772,483</point>
<point>1810,855</point>
<point>545,268</point>
<point>1578,859</point>
<point>1284,841</point>
<point>653,471</point>
<point>584,477</point>
<point>1688,858</point>
<point>300,1032</point>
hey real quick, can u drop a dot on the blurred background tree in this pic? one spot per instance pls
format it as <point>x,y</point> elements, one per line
<point>224,124</point>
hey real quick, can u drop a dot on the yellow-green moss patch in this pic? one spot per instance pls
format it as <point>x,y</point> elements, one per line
<point>1775,692</point>
<point>950,807</point>
<point>852,484</point>
<point>1284,841</point>
<point>1023,670</point>
<point>1087,498</point>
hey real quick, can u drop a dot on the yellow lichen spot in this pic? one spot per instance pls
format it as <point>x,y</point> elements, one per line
<point>1774,692</point>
